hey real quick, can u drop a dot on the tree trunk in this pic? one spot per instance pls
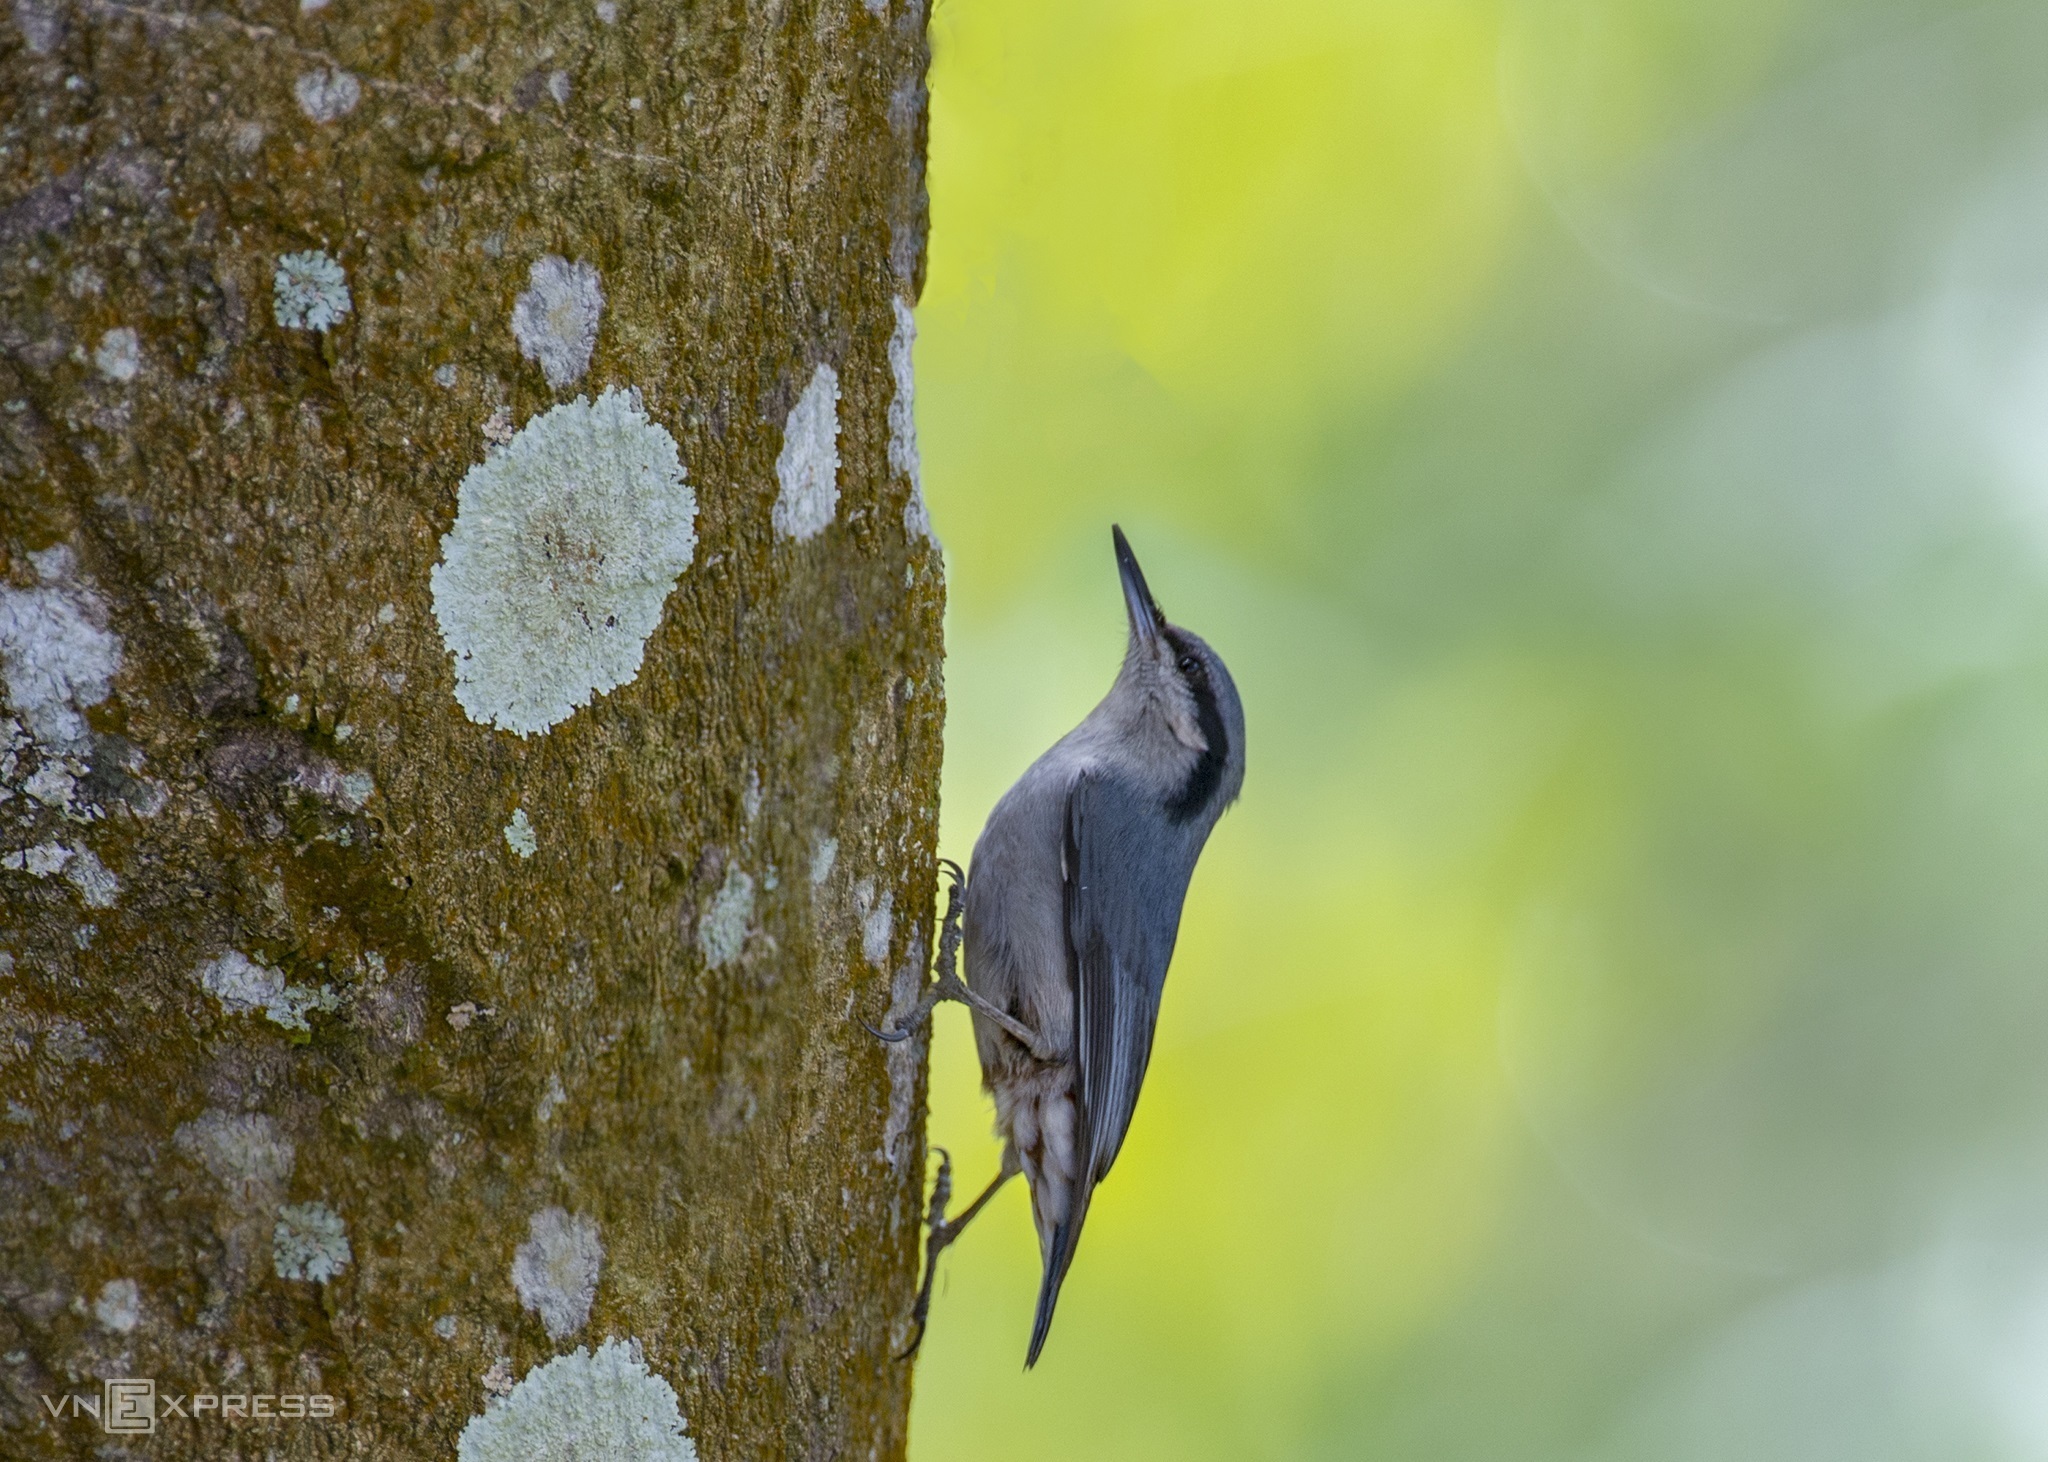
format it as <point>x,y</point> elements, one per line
<point>471,656</point>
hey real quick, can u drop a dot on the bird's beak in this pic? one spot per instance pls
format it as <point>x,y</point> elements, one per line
<point>1146,620</point>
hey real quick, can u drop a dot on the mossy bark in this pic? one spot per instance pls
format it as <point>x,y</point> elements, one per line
<point>279,769</point>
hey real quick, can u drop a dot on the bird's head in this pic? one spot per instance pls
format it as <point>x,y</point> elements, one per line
<point>1173,681</point>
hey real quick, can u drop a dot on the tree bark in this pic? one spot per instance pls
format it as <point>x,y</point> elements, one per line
<point>380,1020</point>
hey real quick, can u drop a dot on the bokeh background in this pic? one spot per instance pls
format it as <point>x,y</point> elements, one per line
<point>1608,440</point>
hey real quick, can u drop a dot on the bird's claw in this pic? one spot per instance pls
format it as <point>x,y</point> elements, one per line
<point>941,1232</point>
<point>948,985</point>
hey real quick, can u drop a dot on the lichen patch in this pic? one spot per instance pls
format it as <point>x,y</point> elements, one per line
<point>722,932</point>
<point>52,784</point>
<point>309,291</point>
<point>555,321</point>
<point>119,355</point>
<point>877,929</point>
<point>119,1306</point>
<point>550,1100</point>
<point>327,95</point>
<point>877,922</point>
<point>96,884</point>
<point>808,467</point>
<point>823,856</point>
<point>245,1152</point>
<point>581,1407</point>
<point>56,654</point>
<point>566,544</point>
<point>242,984</point>
<point>556,1269</point>
<point>519,834</point>
<point>903,455</point>
<point>310,1242</point>
<point>38,862</point>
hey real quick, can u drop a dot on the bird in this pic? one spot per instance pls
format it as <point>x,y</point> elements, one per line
<point>1069,914</point>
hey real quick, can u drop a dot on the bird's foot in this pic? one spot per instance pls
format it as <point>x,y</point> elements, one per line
<point>942,1233</point>
<point>948,985</point>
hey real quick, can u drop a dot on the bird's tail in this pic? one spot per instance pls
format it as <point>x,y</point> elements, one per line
<point>1066,1237</point>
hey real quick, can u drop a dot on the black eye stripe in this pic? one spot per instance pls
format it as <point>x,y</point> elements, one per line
<point>1207,773</point>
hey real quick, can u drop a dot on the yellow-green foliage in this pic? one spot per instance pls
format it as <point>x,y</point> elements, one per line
<point>1603,437</point>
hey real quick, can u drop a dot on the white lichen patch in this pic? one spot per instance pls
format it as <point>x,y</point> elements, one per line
<point>327,95</point>
<point>95,883</point>
<point>722,932</point>
<point>556,1269</point>
<point>52,784</point>
<point>119,356</point>
<point>550,1100</point>
<point>38,862</point>
<point>310,1242</point>
<point>808,467</point>
<point>565,546</point>
<point>822,858</point>
<point>244,1151</point>
<point>877,922</point>
<point>877,929</point>
<point>13,741</point>
<point>356,789</point>
<point>119,1306</point>
<point>555,320</point>
<point>445,1327</point>
<point>242,984</point>
<point>579,1407</point>
<point>903,455</point>
<point>56,655</point>
<point>309,291</point>
<point>238,982</point>
<point>519,834</point>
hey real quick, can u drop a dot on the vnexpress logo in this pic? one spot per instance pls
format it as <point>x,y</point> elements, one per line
<point>124,1406</point>
<point>129,1406</point>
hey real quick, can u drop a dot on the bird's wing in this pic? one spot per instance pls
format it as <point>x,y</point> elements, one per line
<point>1125,878</point>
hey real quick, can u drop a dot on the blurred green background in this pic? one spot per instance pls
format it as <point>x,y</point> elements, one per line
<point>1608,440</point>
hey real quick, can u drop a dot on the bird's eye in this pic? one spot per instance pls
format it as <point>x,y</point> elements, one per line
<point>1189,665</point>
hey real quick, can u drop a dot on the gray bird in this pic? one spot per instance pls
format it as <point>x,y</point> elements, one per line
<point>1071,912</point>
